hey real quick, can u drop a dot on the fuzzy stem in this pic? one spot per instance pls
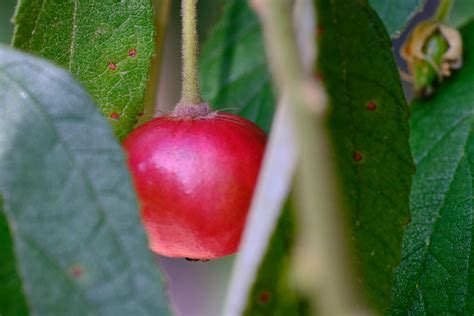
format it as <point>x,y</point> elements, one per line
<point>443,11</point>
<point>191,93</point>
<point>322,261</point>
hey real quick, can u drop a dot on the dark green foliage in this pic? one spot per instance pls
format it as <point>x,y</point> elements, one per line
<point>369,127</point>
<point>233,69</point>
<point>436,276</point>
<point>6,26</point>
<point>12,300</point>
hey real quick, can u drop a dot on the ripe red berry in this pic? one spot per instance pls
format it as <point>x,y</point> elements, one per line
<point>195,178</point>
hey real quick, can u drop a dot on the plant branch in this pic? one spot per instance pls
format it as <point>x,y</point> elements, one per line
<point>191,93</point>
<point>321,262</point>
<point>443,11</point>
<point>161,17</point>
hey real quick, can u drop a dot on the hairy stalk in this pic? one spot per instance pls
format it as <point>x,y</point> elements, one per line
<point>322,261</point>
<point>443,11</point>
<point>191,93</point>
<point>161,16</point>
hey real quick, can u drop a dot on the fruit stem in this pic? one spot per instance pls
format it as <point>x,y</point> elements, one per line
<point>191,93</point>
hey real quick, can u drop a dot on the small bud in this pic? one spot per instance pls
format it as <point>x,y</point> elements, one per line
<point>431,52</point>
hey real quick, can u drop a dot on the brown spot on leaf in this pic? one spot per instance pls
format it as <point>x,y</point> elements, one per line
<point>371,106</point>
<point>318,76</point>
<point>319,30</point>
<point>357,156</point>
<point>76,271</point>
<point>264,297</point>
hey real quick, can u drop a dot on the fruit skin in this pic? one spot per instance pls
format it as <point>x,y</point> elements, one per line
<point>195,178</point>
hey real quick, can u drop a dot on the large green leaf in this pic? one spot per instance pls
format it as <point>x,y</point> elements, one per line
<point>395,14</point>
<point>233,70</point>
<point>79,243</point>
<point>436,276</point>
<point>106,45</point>
<point>12,300</point>
<point>369,125</point>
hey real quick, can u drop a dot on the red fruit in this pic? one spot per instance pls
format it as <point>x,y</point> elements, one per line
<point>195,178</point>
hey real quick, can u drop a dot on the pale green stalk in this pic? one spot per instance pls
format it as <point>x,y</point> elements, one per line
<point>322,263</point>
<point>444,10</point>
<point>191,93</point>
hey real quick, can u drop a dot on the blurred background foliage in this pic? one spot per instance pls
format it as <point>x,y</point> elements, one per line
<point>7,7</point>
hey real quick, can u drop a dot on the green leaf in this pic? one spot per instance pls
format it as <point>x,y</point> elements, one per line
<point>233,70</point>
<point>436,276</point>
<point>395,14</point>
<point>271,293</point>
<point>369,126</point>
<point>461,13</point>
<point>12,300</point>
<point>106,45</point>
<point>79,243</point>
